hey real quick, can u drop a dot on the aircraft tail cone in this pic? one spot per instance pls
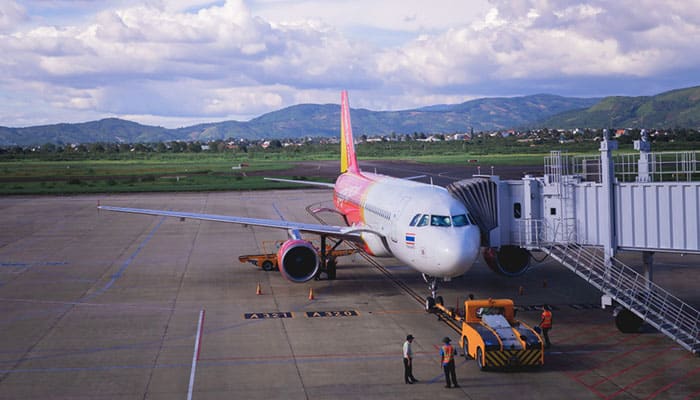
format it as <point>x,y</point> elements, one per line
<point>258,290</point>
<point>311,293</point>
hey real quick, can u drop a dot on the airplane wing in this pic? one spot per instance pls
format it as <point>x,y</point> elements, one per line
<point>310,183</point>
<point>342,232</point>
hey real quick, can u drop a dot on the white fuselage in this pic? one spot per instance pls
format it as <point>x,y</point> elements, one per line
<point>421,225</point>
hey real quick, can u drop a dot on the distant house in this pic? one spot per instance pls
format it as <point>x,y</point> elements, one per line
<point>431,138</point>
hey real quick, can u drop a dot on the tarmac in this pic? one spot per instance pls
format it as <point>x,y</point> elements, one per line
<point>97,304</point>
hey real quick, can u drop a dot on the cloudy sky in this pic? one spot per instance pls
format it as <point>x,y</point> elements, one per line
<point>179,62</point>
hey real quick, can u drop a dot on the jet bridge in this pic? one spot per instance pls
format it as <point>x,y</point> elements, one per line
<point>586,209</point>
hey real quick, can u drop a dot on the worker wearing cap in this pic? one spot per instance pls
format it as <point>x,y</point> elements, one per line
<point>447,359</point>
<point>546,324</point>
<point>408,361</point>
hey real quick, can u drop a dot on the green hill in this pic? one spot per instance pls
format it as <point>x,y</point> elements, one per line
<point>677,108</point>
<point>324,120</point>
<point>105,130</point>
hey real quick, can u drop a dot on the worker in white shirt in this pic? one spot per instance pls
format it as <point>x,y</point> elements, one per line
<point>408,361</point>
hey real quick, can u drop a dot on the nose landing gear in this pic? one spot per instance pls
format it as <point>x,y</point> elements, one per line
<point>433,299</point>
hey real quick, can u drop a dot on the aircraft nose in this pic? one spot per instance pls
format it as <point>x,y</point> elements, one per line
<point>460,251</point>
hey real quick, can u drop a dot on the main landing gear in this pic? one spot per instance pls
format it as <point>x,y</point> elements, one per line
<point>328,259</point>
<point>433,299</point>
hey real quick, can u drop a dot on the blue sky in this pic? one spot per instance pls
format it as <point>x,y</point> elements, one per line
<point>179,62</point>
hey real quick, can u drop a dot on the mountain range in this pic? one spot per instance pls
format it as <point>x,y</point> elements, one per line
<point>677,108</point>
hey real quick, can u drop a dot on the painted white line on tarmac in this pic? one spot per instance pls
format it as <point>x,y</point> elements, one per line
<point>195,356</point>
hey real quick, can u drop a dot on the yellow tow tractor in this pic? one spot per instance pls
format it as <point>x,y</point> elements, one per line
<point>268,259</point>
<point>491,334</point>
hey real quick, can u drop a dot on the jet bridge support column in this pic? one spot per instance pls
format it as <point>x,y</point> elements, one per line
<point>644,163</point>
<point>607,206</point>
<point>644,167</point>
<point>626,320</point>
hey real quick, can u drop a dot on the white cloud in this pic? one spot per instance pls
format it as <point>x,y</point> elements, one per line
<point>529,40</point>
<point>11,15</point>
<point>193,59</point>
<point>352,16</point>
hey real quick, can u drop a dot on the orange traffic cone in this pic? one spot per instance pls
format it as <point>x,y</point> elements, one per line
<point>258,290</point>
<point>311,293</point>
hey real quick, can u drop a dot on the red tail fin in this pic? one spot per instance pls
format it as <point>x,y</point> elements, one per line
<point>348,160</point>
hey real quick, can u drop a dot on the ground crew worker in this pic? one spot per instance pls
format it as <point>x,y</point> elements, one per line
<point>447,359</point>
<point>408,361</point>
<point>546,324</point>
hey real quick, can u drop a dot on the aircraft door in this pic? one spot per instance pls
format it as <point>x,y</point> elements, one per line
<point>397,229</point>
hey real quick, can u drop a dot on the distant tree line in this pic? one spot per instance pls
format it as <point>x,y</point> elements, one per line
<point>506,141</point>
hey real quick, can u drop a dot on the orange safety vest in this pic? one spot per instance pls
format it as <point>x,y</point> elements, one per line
<point>546,319</point>
<point>448,353</point>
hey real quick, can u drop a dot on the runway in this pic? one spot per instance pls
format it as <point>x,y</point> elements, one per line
<point>118,306</point>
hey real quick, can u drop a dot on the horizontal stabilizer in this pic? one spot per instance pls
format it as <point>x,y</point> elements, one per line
<point>309,183</point>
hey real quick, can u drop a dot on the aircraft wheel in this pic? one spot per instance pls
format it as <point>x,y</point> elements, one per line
<point>331,269</point>
<point>627,321</point>
<point>465,348</point>
<point>480,359</point>
<point>267,265</point>
<point>439,300</point>
<point>429,304</point>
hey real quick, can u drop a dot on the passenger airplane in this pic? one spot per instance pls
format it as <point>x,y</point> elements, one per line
<point>419,224</point>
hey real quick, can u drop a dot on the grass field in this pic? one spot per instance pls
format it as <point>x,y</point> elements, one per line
<point>189,172</point>
<point>97,176</point>
<point>160,184</point>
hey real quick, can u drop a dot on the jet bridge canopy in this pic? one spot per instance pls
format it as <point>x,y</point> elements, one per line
<point>480,197</point>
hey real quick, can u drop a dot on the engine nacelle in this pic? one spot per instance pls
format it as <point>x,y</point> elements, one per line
<point>508,260</point>
<point>298,260</point>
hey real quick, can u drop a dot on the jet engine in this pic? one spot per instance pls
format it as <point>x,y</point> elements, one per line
<point>298,260</point>
<point>507,260</point>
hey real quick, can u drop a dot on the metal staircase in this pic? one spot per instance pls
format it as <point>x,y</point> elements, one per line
<point>656,306</point>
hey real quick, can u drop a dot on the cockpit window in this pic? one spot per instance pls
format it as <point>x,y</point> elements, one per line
<point>460,220</point>
<point>440,220</point>
<point>424,221</point>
